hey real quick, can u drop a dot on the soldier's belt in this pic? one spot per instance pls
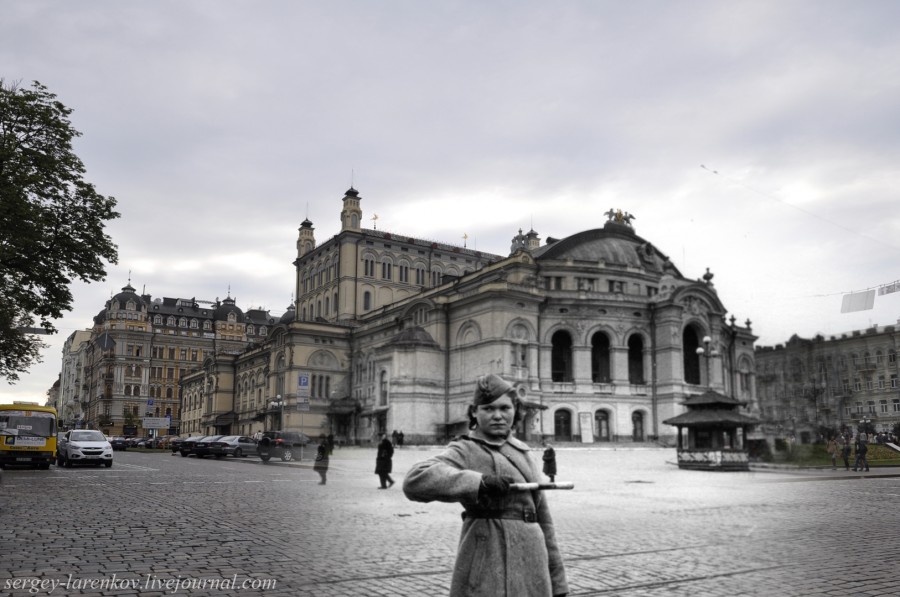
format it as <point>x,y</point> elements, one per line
<point>523,515</point>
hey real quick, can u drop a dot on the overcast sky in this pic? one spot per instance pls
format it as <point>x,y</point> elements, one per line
<point>759,139</point>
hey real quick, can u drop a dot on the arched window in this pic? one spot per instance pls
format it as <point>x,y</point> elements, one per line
<point>562,425</point>
<point>170,321</point>
<point>170,393</point>
<point>367,300</point>
<point>157,320</point>
<point>636,359</point>
<point>327,305</point>
<point>690,342</point>
<point>600,367</point>
<point>637,426</point>
<point>182,322</point>
<point>561,356</point>
<point>382,389</point>
<point>601,426</point>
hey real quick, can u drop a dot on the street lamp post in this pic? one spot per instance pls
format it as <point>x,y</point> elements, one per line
<point>281,415</point>
<point>279,402</point>
<point>704,351</point>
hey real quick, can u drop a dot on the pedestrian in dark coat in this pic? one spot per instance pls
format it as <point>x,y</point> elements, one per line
<point>845,451</point>
<point>508,544</point>
<point>321,463</point>
<point>384,463</point>
<point>400,439</point>
<point>549,459</point>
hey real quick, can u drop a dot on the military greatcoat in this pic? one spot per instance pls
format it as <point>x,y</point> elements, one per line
<point>508,545</point>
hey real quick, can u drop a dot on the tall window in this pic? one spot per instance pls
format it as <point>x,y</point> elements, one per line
<point>561,356</point>
<point>367,300</point>
<point>690,342</point>
<point>600,366</point>
<point>636,359</point>
<point>637,427</point>
<point>382,389</point>
<point>386,270</point>
<point>562,425</point>
<point>601,425</point>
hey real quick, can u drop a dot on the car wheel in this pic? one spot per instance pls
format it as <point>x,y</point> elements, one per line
<point>219,456</point>
<point>183,454</point>
<point>265,457</point>
<point>44,466</point>
<point>238,453</point>
<point>67,463</point>
<point>287,455</point>
<point>108,464</point>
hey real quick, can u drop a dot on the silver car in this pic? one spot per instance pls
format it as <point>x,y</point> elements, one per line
<point>233,445</point>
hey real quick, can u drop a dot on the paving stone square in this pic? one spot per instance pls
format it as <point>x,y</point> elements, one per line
<point>634,525</point>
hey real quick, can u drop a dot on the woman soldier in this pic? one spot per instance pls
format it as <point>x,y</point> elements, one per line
<point>508,545</point>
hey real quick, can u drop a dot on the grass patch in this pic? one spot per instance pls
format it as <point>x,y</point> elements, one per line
<point>815,455</point>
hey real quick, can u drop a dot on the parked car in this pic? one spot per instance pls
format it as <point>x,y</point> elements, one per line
<point>132,442</point>
<point>281,444</point>
<point>85,446</point>
<point>233,445</point>
<point>187,445</point>
<point>202,447</point>
<point>118,443</point>
<point>165,441</point>
<point>175,444</point>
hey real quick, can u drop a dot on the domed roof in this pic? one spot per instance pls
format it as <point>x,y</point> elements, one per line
<point>614,244</point>
<point>289,315</point>
<point>413,337</point>
<point>225,307</point>
<point>351,192</point>
<point>128,294</point>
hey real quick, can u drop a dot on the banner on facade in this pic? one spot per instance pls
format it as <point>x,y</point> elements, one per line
<point>889,288</point>
<point>858,301</point>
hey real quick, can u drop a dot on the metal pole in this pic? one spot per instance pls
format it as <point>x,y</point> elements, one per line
<point>281,416</point>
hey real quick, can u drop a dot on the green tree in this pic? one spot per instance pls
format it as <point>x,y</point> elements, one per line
<point>51,221</point>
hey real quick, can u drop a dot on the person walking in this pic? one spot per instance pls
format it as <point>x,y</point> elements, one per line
<point>384,462</point>
<point>321,463</point>
<point>832,449</point>
<point>862,447</point>
<point>845,450</point>
<point>549,459</point>
<point>508,544</point>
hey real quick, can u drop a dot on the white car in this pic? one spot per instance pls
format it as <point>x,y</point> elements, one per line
<point>85,446</point>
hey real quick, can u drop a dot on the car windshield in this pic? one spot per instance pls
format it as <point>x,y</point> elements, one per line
<point>87,436</point>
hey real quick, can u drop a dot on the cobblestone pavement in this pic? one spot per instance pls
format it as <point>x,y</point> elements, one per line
<point>634,525</point>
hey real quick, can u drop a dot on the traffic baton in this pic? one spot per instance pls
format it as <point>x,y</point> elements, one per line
<point>533,486</point>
